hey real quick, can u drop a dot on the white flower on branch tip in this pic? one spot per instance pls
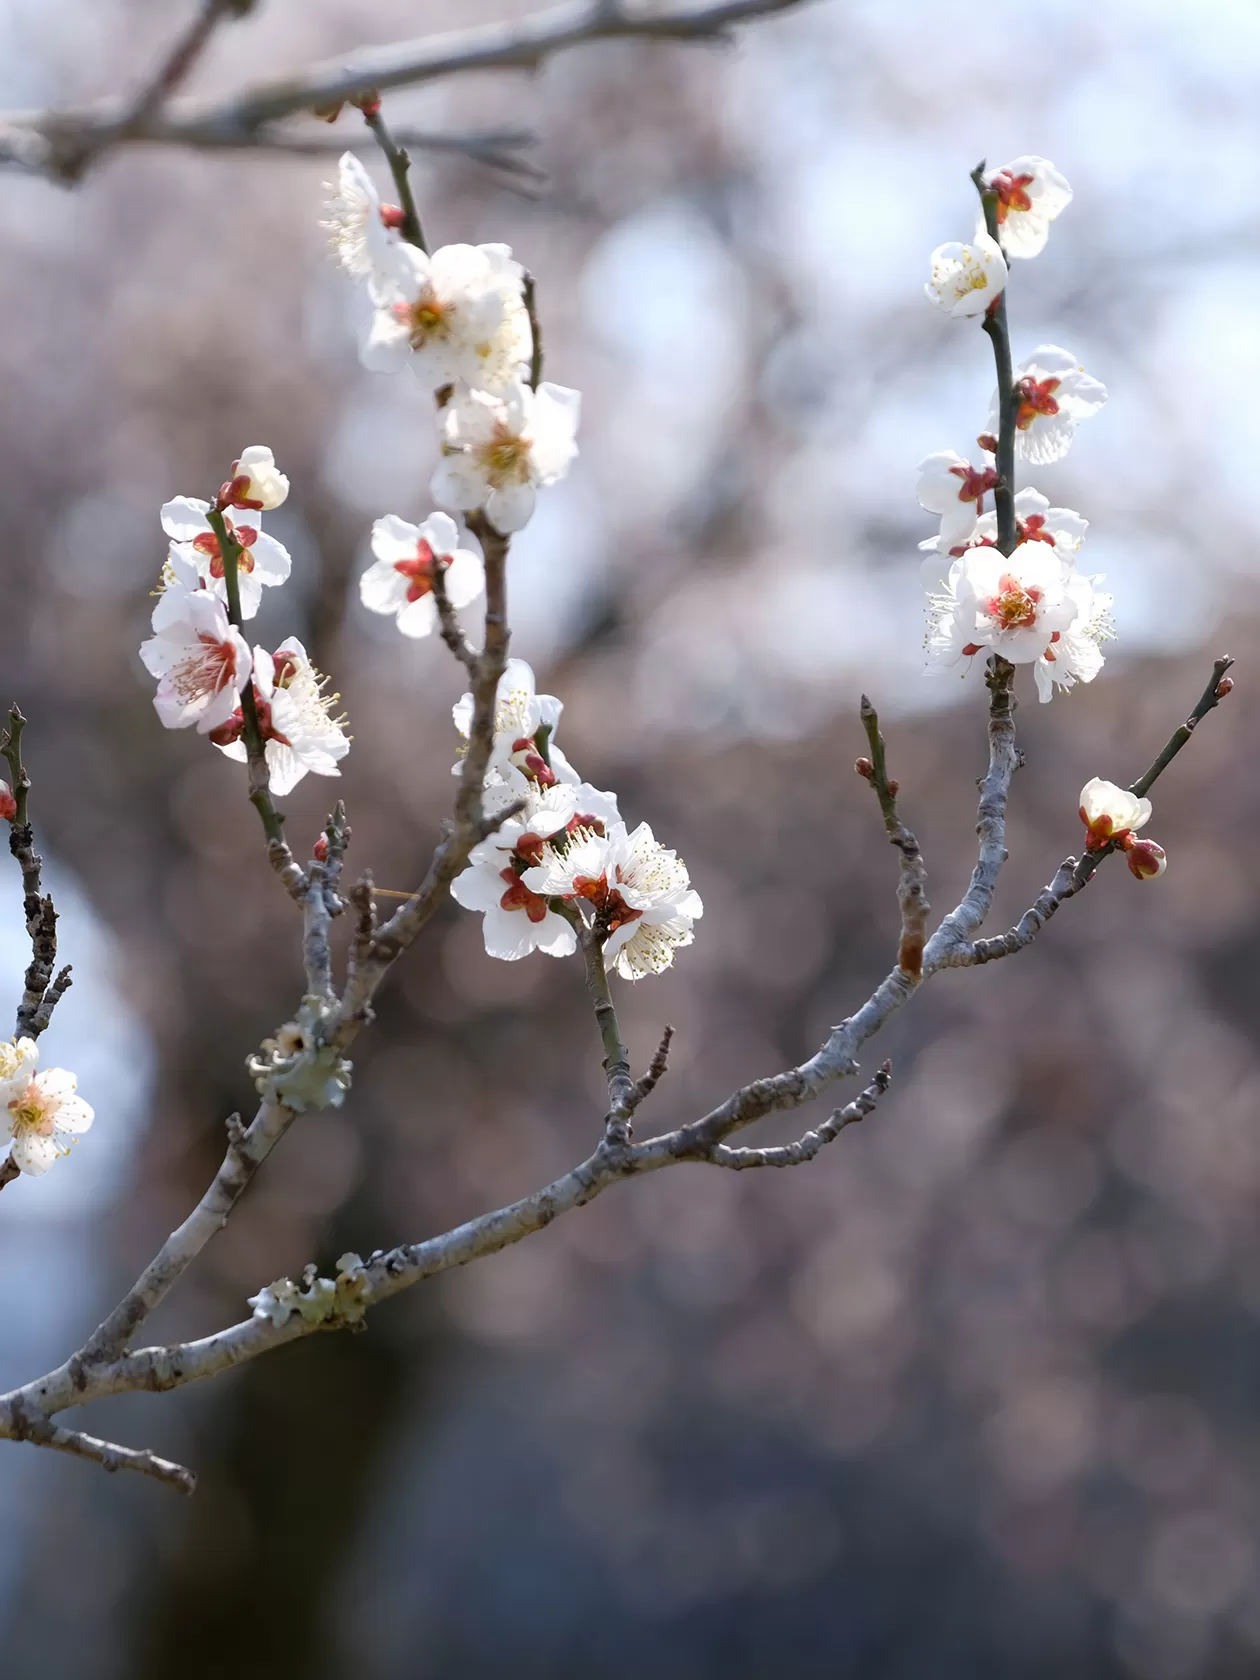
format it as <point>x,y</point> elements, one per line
<point>952,488</point>
<point>497,450</point>
<point>400,580</point>
<point>457,315</point>
<point>363,232</point>
<point>521,716</point>
<point>200,659</point>
<point>299,733</point>
<point>637,891</point>
<point>44,1115</point>
<point>1055,395</point>
<point>256,484</point>
<point>1030,194</point>
<point>1109,812</point>
<point>262,560</point>
<point>967,278</point>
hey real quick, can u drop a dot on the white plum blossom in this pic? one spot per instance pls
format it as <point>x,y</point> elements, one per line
<point>521,715</point>
<point>967,278</point>
<point>457,315</point>
<point>400,580</point>
<point>1075,655</point>
<point>363,232</point>
<point>955,490</point>
<point>256,482</point>
<point>1008,604</point>
<point>199,657</point>
<point>1037,521</point>
<point>637,891</point>
<point>262,560</point>
<point>1109,812</point>
<point>1030,194</point>
<point>19,1057</point>
<point>1055,395</point>
<point>516,920</point>
<point>43,1112</point>
<point>497,450</point>
<point>294,715</point>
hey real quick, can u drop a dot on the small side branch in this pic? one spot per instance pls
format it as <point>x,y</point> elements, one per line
<point>805,1148</point>
<point>998,329</point>
<point>912,889</point>
<point>42,1432</point>
<point>644,1086</point>
<point>535,332</point>
<point>40,991</point>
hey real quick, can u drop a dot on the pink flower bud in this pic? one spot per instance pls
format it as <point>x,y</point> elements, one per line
<point>1146,858</point>
<point>1224,687</point>
<point>8,804</point>
<point>320,849</point>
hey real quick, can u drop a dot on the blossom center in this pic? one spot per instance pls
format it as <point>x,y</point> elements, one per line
<point>1036,396</point>
<point>31,1113</point>
<point>506,458</point>
<point>975,482</point>
<point>420,571</point>
<point>424,319</point>
<point>1014,607</point>
<point>519,897</point>
<point>1011,193</point>
<point>205,542</point>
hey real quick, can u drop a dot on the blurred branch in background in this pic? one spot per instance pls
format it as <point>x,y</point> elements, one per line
<point>65,144</point>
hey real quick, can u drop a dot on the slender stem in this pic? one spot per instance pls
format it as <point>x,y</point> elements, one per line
<point>251,732</point>
<point>912,888</point>
<point>40,991</point>
<point>399,167</point>
<point>622,1093</point>
<point>179,63</point>
<point>535,332</point>
<point>995,324</point>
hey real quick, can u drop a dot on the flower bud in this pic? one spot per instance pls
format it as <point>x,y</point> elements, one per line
<point>1110,813</point>
<point>256,481</point>
<point>1224,687</point>
<point>319,851</point>
<point>864,767</point>
<point>8,804</point>
<point>1146,858</point>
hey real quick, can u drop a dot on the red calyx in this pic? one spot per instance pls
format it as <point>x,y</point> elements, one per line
<point>519,897</point>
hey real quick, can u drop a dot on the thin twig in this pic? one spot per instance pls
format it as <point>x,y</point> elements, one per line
<point>912,886</point>
<point>400,168</point>
<point>622,1090</point>
<point>805,1148</point>
<point>995,324</point>
<point>42,1432</point>
<point>448,621</point>
<point>657,1067</point>
<point>535,332</point>
<point>179,63</point>
<point>39,992</point>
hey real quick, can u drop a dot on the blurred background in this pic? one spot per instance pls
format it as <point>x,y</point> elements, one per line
<point>976,1392</point>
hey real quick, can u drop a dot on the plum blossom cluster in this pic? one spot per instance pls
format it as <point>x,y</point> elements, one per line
<point>457,316</point>
<point>42,1111</point>
<point>206,671</point>
<point>1025,601</point>
<point>563,864</point>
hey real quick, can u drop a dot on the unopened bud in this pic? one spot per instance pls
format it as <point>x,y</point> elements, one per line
<point>1146,858</point>
<point>369,103</point>
<point>328,113</point>
<point>319,851</point>
<point>8,804</point>
<point>986,440</point>
<point>1224,687</point>
<point>392,216</point>
<point>894,787</point>
<point>864,767</point>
